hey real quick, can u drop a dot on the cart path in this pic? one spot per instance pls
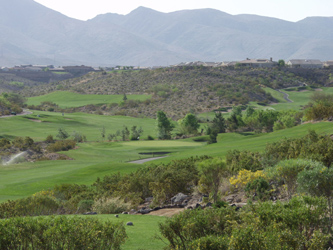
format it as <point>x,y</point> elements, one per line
<point>285,96</point>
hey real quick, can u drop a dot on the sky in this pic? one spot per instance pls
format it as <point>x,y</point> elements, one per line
<point>290,10</point>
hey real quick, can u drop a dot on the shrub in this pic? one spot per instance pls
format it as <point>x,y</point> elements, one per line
<point>258,189</point>
<point>237,160</point>
<point>110,206</point>
<point>288,170</point>
<point>61,146</point>
<point>60,233</point>
<point>318,182</point>
<point>150,138</point>
<point>62,134</point>
<point>210,242</point>
<point>79,137</point>
<point>49,139</point>
<point>31,206</point>
<point>5,143</point>
<point>244,177</point>
<point>85,206</point>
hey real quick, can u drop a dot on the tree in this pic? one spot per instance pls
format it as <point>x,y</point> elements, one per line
<point>103,133</point>
<point>164,126</point>
<point>218,123</point>
<point>124,98</point>
<point>189,124</point>
<point>212,134</point>
<point>211,178</point>
<point>125,133</point>
<point>79,137</point>
<point>136,133</point>
<point>281,63</point>
<point>62,134</point>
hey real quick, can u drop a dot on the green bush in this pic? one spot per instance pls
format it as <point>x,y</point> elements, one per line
<point>85,206</point>
<point>297,224</point>
<point>60,233</point>
<point>110,206</point>
<point>61,146</point>
<point>31,206</point>
<point>258,189</point>
<point>49,139</point>
<point>237,160</point>
<point>150,138</point>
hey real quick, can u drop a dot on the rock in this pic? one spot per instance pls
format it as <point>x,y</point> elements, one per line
<point>149,199</point>
<point>116,216</point>
<point>129,223</point>
<point>209,204</point>
<point>179,198</point>
<point>132,211</point>
<point>197,206</point>
<point>124,212</point>
<point>144,211</point>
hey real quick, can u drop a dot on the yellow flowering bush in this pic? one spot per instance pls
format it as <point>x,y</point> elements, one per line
<point>244,177</point>
<point>44,193</point>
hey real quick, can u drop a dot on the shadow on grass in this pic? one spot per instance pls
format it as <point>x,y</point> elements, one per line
<point>247,133</point>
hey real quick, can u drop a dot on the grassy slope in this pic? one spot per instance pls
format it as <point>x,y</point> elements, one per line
<point>66,99</point>
<point>95,159</point>
<point>89,125</point>
<point>299,98</point>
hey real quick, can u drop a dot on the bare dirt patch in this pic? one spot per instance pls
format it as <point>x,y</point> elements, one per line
<point>168,212</point>
<point>35,120</point>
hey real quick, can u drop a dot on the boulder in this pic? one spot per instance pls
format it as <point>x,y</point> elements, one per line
<point>179,198</point>
<point>129,223</point>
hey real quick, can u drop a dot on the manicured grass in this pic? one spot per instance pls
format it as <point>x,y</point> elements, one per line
<point>96,159</point>
<point>276,94</point>
<point>90,125</point>
<point>67,99</point>
<point>299,98</point>
<point>143,235</point>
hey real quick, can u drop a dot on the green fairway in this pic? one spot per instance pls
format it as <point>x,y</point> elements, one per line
<point>143,235</point>
<point>276,94</point>
<point>41,124</point>
<point>96,159</point>
<point>66,99</point>
<point>299,98</point>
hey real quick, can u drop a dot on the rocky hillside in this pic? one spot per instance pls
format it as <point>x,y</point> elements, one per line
<point>183,89</point>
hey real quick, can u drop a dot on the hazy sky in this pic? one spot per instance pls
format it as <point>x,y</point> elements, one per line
<point>291,10</point>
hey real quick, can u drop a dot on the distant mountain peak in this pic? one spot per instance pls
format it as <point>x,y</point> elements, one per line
<point>34,34</point>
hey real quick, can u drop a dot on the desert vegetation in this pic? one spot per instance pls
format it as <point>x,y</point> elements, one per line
<point>254,174</point>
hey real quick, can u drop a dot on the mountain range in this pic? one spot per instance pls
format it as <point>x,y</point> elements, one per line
<point>34,34</point>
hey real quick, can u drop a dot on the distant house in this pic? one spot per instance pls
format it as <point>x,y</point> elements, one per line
<point>228,64</point>
<point>4,69</point>
<point>33,69</point>
<point>305,63</point>
<point>258,63</point>
<point>328,64</point>
<point>78,69</point>
<point>211,64</point>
